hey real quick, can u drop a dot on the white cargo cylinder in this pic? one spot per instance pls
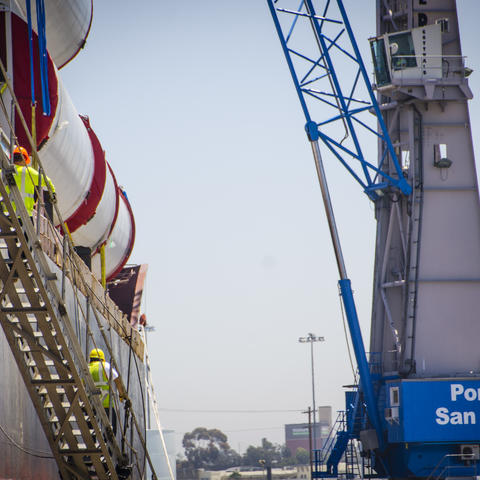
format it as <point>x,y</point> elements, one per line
<point>89,199</point>
<point>67,25</point>
<point>68,156</point>
<point>119,243</point>
<point>96,230</point>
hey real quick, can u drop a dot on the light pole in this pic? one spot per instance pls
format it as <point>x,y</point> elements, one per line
<point>311,339</point>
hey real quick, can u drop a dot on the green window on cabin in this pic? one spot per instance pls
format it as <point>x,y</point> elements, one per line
<point>402,51</point>
<point>382,72</point>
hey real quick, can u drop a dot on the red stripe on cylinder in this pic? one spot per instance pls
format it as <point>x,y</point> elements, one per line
<point>131,240</point>
<point>21,84</point>
<point>87,208</point>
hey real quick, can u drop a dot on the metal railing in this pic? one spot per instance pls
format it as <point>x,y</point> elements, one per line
<point>443,471</point>
<point>441,67</point>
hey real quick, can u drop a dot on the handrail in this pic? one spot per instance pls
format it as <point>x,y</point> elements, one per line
<point>340,423</point>
<point>323,454</point>
<point>451,467</point>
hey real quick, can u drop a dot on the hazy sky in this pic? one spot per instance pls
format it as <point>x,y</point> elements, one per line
<point>195,107</point>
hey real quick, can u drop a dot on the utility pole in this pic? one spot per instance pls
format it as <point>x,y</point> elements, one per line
<point>309,412</point>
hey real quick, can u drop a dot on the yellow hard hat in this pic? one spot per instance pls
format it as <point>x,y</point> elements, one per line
<point>96,355</point>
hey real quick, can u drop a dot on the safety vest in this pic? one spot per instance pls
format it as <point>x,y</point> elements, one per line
<point>100,378</point>
<point>26,179</point>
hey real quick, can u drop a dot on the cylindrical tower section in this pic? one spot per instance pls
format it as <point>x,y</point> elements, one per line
<point>120,241</point>
<point>89,199</point>
<point>67,25</point>
<point>96,229</point>
<point>68,157</point>
<point>22,85</point>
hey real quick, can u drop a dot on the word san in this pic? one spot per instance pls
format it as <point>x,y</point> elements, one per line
<point>457,390</point>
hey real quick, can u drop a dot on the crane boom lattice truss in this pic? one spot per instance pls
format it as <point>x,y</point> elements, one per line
<point>318,41</point>
<point>313,64</point>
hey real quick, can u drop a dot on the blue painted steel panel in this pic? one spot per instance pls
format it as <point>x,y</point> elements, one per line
<point>440,410</point>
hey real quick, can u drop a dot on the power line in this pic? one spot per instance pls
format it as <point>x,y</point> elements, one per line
<point>259,429</point>
<point>254,429</point>
<point>180,410</point>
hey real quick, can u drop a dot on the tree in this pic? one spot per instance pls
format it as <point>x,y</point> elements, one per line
<point>287,457</point>
<point>209,449</point>
<point>184,470</point>
<point>272,454</point>
<point>302,456</point>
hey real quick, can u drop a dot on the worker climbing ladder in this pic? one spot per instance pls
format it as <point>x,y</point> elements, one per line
<point>34,319</point>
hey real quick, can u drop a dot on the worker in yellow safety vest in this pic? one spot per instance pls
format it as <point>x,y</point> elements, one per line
<point>27,177</point>
<point>101,371</point>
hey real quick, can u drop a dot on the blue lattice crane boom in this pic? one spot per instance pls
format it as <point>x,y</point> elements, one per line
<point>348,99</point>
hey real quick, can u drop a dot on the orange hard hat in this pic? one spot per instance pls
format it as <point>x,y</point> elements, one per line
<point>23,153</point>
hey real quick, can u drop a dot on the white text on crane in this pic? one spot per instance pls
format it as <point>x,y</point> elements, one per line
<point>445,417</point>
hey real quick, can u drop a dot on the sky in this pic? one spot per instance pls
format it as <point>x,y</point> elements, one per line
<point>194,105</point>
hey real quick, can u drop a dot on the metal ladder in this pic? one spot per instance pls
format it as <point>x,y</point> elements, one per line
<point>34,319</point>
